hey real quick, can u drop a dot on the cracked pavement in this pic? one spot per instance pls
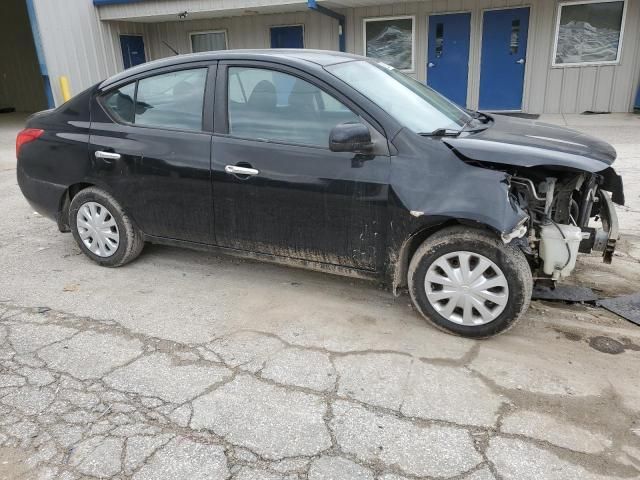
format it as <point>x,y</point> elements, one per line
<point>192,365</point>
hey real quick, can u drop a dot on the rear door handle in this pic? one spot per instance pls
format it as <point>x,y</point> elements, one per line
<point>236,170</point>
<point>107,155</point>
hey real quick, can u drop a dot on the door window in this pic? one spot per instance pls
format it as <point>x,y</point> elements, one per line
<point>287,37</point>
<point>120,102</point>
<point>270,105</point>
<point>170,100</point>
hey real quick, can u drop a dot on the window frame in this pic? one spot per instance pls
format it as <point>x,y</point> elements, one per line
<point>207,104</point>
<point>554,64</point>
<point>394,17</point>
<point>221,110</point>
<point>222,30</point>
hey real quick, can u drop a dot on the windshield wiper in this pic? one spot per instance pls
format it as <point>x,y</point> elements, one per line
<point>442,132</point>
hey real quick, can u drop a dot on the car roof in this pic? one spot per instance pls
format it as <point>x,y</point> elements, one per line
<point>287,56</point>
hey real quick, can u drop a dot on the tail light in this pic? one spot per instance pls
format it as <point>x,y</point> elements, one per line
<point>27,135</point>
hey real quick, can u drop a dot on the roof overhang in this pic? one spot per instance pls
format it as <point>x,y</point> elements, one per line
<point>174,10</point>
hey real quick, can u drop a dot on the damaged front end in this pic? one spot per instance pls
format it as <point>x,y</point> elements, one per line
<point>569,213</point>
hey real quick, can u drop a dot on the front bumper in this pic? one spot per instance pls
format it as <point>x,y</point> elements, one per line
<point>610,230</point>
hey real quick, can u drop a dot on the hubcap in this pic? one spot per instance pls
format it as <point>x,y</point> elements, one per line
<point>98,229</point>
<point>466,288</point>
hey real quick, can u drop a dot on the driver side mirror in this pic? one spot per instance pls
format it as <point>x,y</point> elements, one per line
<point>350,137</point>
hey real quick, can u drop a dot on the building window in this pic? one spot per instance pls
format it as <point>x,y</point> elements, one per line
<point>589,32</point>
<point>208,41</point>
<point>390,40</point>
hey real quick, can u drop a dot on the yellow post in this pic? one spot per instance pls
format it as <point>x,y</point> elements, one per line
<point>64,88</point>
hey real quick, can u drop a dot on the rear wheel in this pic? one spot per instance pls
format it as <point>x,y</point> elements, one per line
<point>102,229</point>
<point>468,282</point>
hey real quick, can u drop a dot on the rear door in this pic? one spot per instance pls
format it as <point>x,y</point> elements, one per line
<point>151,147</point>
<point>277,187</point>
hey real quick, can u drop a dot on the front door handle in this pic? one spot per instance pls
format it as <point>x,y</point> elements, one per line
<point>431,64</point>
<point>107,155</point>
<point>521,61</point>
<point>236,170</point>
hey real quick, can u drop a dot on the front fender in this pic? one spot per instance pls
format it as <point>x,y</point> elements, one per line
<point>431,187</point>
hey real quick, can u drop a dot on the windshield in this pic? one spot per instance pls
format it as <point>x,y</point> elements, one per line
<point>413,104</point>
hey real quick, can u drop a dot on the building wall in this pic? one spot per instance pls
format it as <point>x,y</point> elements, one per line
<point>251,31</point>
<point>77,44</point>
<point>21,84</point>
<point>547,89</point>
<point>86,49</point>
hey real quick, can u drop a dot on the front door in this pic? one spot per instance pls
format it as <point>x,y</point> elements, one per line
<point>448,56</point>
<point>132,47</point>
<point>277,188</point>
<point>504,50</point>
<point>287,37</point>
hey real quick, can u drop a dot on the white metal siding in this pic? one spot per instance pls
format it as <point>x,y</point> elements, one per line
<point>78,45</point>
<point>166,10</point>
<point>250,31</point>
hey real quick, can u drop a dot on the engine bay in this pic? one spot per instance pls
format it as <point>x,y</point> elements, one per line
<point>568,213</point>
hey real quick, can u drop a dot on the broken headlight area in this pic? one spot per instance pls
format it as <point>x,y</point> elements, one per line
<point>569,213</point>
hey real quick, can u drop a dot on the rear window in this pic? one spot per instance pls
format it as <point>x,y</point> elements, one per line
<point>171,100</point>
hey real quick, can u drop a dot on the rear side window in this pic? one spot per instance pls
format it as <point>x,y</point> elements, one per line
<point>171,100</point>
<point>120,103</point>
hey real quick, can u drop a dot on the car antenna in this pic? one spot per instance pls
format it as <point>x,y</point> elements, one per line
<point>170,48</point>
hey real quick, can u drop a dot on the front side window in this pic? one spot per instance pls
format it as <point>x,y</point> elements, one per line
<point>411,103</point>
<point>208,41</point>
<point>269,105</point>
<point>390,40</point>
<point>589,32</point>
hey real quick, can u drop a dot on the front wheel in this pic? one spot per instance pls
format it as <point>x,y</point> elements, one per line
<point>468,282</point>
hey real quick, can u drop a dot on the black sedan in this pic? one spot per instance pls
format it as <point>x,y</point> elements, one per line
<point>327,161</point>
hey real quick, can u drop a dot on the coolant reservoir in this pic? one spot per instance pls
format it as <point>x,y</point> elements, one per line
<point>553,249</point>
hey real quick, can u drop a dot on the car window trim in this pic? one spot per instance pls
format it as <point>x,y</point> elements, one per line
<point>221,116</point>
<point>207,104</point>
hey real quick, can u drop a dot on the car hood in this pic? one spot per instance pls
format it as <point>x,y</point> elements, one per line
<point>527,143</point>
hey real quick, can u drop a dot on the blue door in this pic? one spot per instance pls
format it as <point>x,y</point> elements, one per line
<point>287,37</point>
<point>637,104</point>
<point>448,56</point>
<point>504,49</point>
<point>132,50</point>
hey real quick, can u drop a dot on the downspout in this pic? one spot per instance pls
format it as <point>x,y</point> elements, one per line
<point>35,31</point>
<point>313,5</point>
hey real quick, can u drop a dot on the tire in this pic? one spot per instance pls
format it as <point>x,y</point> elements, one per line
<point>116,224</point>
<point>474,315</point>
